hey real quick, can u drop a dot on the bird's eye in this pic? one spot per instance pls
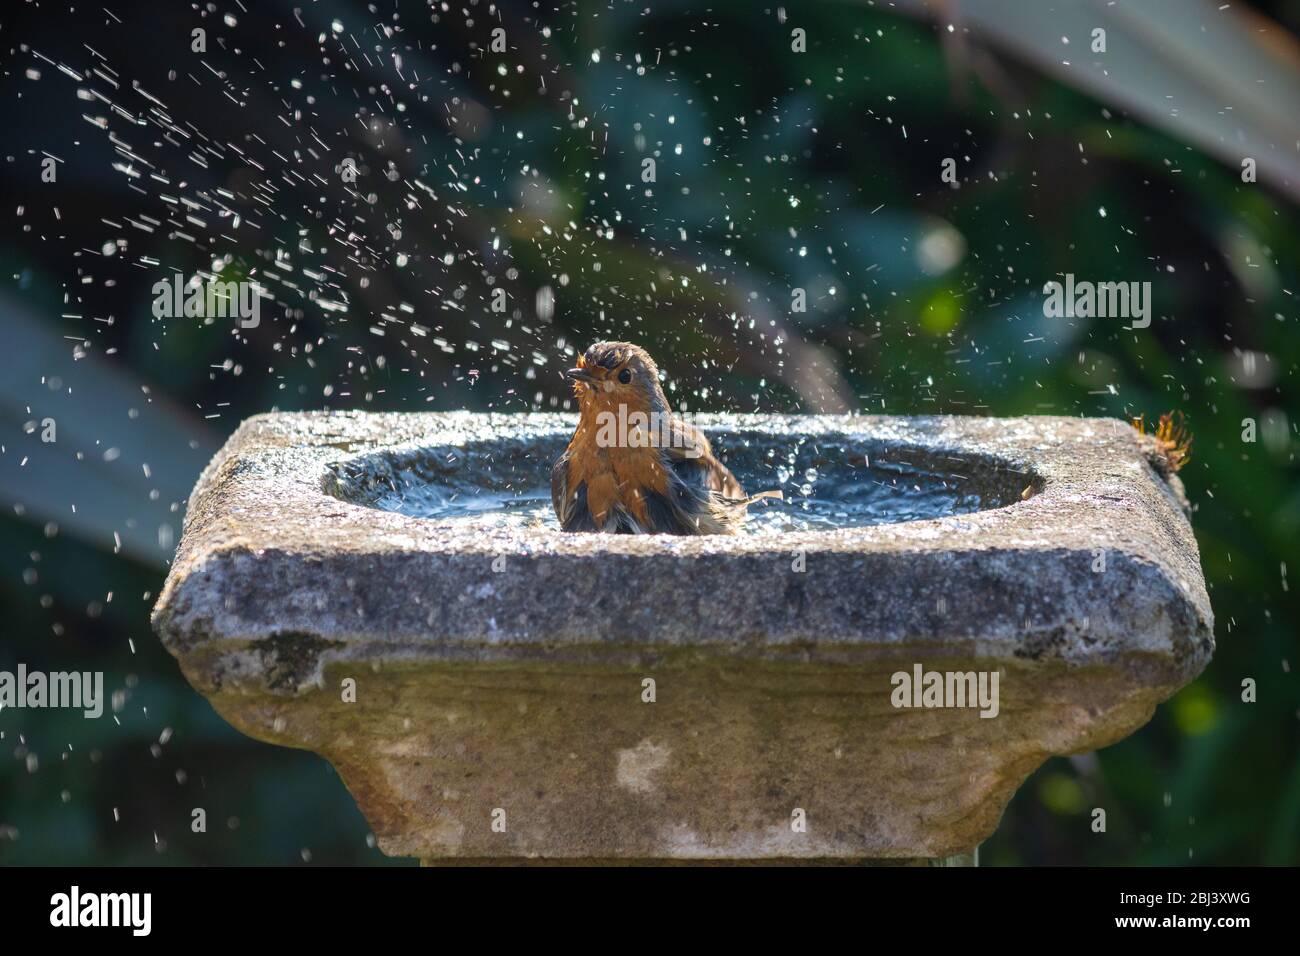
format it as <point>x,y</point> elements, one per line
<point>625,376</point>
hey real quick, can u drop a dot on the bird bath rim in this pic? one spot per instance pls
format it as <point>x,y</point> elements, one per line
<point>261,525</point>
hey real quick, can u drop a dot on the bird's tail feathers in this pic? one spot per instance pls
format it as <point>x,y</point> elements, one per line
<point>745,502</point>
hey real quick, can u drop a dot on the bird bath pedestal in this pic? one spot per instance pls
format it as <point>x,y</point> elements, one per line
<point>498,691</point>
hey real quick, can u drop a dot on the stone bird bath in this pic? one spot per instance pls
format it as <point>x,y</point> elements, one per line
<point>491,689</point>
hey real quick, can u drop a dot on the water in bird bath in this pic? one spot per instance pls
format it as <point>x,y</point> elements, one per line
<point>878,496</point>
<point>827,483</point>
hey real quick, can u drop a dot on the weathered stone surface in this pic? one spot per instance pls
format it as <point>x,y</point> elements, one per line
<point>520,689</point>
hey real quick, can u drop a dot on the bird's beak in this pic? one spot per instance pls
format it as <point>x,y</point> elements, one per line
<point>580,375</point>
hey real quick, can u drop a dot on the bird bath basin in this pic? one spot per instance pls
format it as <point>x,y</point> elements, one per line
<point>829,480</point>
<point>391,591</point>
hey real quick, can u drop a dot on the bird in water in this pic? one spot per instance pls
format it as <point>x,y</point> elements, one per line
<point>632,466</point>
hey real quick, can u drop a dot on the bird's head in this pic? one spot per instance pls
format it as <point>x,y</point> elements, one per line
<point>610,374</point>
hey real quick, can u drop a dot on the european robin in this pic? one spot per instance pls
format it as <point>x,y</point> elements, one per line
<point>632,466</point>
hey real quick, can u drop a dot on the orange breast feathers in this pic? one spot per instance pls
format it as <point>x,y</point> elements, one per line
<point>614,476</point>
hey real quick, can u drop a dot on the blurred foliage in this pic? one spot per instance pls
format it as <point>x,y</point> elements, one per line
<point>775,170</point>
